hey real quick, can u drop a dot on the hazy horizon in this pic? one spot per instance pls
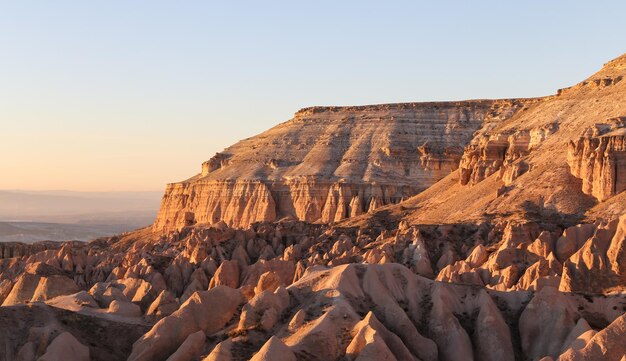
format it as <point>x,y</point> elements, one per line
<point>75,206</point>
<point>60,215</point>
<point>130,97</point>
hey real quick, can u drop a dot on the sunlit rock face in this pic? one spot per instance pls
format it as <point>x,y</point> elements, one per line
<point>598,157</point>
<point>520,254</point>
<point>330,163</point>
<point>501,153</point>
<point>282,289</point>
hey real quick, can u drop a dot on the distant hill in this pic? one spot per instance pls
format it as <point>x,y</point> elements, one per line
<point>29,232</point>
<point>29,216</point>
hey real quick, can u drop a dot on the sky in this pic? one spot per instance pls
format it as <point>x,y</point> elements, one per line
<point>131,95</point>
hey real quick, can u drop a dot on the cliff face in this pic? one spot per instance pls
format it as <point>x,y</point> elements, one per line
<point>598,157</point>
<point>536,165</point>
<point>518,255</point>
<point>500,152</point>
<point>330,163</point>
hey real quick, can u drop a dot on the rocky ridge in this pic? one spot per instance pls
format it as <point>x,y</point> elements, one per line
<point>536,165</point>
<point>598,157</point>
<point>331,163</point>
<point>517,252</point>
<point>409,291</point>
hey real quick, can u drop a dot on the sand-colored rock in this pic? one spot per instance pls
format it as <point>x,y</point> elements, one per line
<point>221,352</point>
<point>377,282</point>
<point>297,320</point>
<point>227,275</point>
<point>322,337</point>
<point>124,308</point>
<point>547,190</point>
<point>75,301</point>
<point>616,253</point>
<point>372,339</point>
<point>598,157</point>
<point>274,350</point>
<point>264,309</point>
<point>588,269</point>
<point>164,305</point>
<point>32,287</point>
<point>53,286</point>
<point>478,256</point>
<point>190,349</point>
<point>578,337</point>
<point>607,344</point>
<point>572,239</point>
<point>137,290</point>
<point>468,268</point>
<point>5,288</point>
<point>546,323</point>
<point>105,293</point>
<point>501,152</point>
<point>23,290</point>
<point>452,340</point>
<point>492,336</point>
<point>328,163</point>
<point>65,347</point>
<point>269,281</point>
<point>368,344</point>
<point>206,311</point>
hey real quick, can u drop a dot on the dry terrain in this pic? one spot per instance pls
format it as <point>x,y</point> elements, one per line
<point>474,230</point>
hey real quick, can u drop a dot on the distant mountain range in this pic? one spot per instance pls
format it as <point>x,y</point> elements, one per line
<point>29,216</point>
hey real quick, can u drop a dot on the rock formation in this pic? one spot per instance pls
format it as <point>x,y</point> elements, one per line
<point>598,157</point>
<point>363,296</point>
<point>508,242</point>
<point>488,154</point>
<point>331,163</point>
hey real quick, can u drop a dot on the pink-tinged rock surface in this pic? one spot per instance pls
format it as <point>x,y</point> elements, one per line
<point>330,163</point>
<point>515,249</point>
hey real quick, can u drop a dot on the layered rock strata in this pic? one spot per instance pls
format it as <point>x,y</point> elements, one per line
<point>331,163</point>
<point>501,153</point>
<point>598,157</point>
<point>494,262</point>
<point>535,165</point>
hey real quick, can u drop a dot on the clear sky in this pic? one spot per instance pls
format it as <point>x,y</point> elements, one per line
<point>130,95</point>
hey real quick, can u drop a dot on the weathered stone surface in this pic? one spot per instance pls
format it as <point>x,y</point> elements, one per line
<point>467,269</point>
<point>329,163</point>
<point>616,253</point>
<point>227,274</point>
<point>607,344</point>
<point>501,152</point>
<point>65,347</point>
<point>190,349</point>
<point>53,286</point>
<point>372,339</point>
<point>598,157</point>
<point>221,352</point>
<point>545,323</point>
<point>206,311</point>
<point>274,350</point>
<point>164,305</point>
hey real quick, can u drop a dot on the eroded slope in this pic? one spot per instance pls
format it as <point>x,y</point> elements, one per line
<point>330,163</point>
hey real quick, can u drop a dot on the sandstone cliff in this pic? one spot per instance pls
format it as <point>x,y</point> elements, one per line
<point>519,254</point>
<point>330,163</point>
<point>536,165</point>
<point>598,157</point>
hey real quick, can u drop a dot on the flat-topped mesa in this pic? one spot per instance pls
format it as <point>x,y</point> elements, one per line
<point>598,157</point>
<point>330,163</point>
